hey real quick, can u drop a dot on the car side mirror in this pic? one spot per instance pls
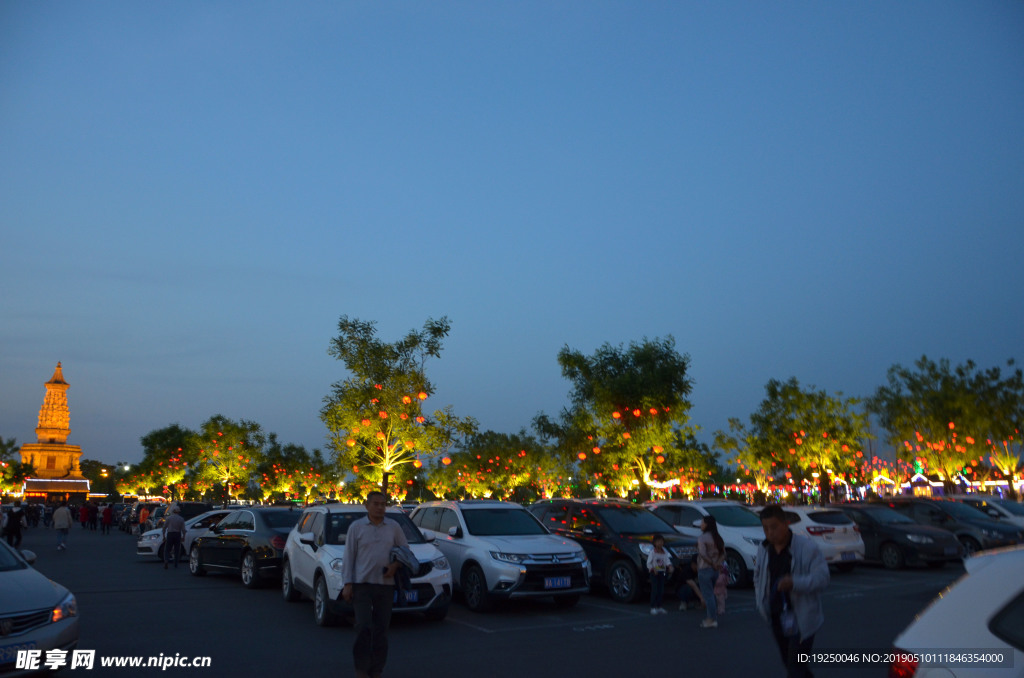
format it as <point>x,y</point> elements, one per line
<point>217,529</point>
<point>308,539</point>
<point>697,523</point>
<point>427,534</point>
<point>29,556</point>
<point>455,532</point>
<point>994,513</point>
<point>591,530</point>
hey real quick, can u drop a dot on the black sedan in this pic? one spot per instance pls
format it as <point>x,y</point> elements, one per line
<point>249,541</point>
<point>896,541</point>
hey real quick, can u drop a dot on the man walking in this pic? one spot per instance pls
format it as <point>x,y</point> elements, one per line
<point>370,583</point>
<point>789,577</point>
<point>62,523</point>
<point>174,531</point>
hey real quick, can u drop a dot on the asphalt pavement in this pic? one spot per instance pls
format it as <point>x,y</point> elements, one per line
<point>133,607</point>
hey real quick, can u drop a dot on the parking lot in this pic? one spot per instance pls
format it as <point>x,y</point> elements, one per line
<point>133,607</point>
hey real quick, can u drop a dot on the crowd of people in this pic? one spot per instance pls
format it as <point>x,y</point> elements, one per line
<point>59,517</point>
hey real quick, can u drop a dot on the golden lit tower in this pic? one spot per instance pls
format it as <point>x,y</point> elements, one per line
<point>57,473</point>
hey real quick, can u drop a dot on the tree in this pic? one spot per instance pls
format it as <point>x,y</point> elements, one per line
<point>804,430</point>
<point>627,406</point>
<point>227,453</point>
<point>935,412</point>
<point>168,454</point>
<point>12,471</point>
<point>375,417</point>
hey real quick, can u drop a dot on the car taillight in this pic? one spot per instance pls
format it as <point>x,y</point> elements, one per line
<point>817,530</point>
<point>856,528</point>
<point>904,664</point>
<point>277,542</point>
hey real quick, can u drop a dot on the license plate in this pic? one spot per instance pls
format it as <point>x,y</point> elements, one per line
<point>9,653</point>
<point>950,550</point>
<point>410,596</point>
<point>849,555</point>
<point>557,582</point>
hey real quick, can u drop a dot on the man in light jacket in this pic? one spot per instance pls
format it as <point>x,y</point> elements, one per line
<point>62,523</point>
<point>789,577</point>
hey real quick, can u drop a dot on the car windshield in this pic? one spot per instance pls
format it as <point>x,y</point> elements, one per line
<point>1011,506</point>
<point>9,561</point>
<point>499,521</point>
<point>962,511</point>
<point>286,518</point>
<point>338,524</point>
<point>887,516</point>
<point>626,520</point>
<point>829,517</point>
<point>733,516</point>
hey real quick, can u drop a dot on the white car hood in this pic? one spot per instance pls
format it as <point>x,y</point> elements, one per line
<point>533,543</point>
<point>26,590</point>
<point>423,552</point>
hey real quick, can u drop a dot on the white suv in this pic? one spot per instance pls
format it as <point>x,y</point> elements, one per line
<point>500,550</point>
<point>312,560</point>
<point>739,527</point>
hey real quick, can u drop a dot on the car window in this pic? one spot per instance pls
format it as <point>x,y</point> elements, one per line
<point>859,517</point>
<point>428,518</point>
<point>733,516</point>
<point>628,520</point>
<point>583,518</point>
<point>668,514</point>
<point>246,521</point>
<point>338,523</point>
<point>686,516</point>
<point>554,516</point>
<point>1008,623</point>
<point>887,516</point>
<point>829,518</point>
<point>1011,506</point>
<point>503,521</point>
<point>230,520</point>
<point>306,522</point>
<point>448,521</point>
<point>316,527</point>
<point>792,517</point>
<point>279,519</point>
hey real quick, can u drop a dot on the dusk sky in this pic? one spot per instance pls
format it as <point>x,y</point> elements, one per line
<point>193,193</point>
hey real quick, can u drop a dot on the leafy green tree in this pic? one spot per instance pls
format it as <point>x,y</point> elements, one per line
<point>805,431</point>
<point>12,471</point>
<point>375,417</point>
<point>626,406</point>
<point>168,454</point>
<point>227,454</point>
<point>932,411</point>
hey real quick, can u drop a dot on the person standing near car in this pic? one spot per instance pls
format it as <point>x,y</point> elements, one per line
<point>789,578</point>
<point>711,549</point>
<point>369,578</point>
<point>15,521</point>
<point>174,532</point>
<point>143,517</point>
<point>62,523</point>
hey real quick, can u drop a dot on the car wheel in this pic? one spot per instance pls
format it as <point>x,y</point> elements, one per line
<point>195,564</point>
<point>474,588</point>
<point>565,602</point>
<point>436,613</point>
<point>321,605</point>
<point>892,557</point>
<point>250,576</point>
<point>288,590</point>
<point>739,575</point>
<point>971,546</point>
<point>623,583</point>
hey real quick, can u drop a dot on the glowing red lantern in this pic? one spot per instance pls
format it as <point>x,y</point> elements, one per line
<point>446,461</point>
<point>582,455</point>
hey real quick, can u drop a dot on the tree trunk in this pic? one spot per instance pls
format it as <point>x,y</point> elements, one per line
<point>825,487</point>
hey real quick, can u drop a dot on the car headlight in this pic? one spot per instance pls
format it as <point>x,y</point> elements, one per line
<point>336,565</point>
<point>920,538</point>
<point>508,557</point>
<point>150,537</point>
<point>756,541</point>
<point>441,563</point>
<point>65,610</point>
<point>991,533</point>
<point>646,548</point>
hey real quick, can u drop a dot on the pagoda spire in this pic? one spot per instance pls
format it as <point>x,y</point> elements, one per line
<point>54,417</point>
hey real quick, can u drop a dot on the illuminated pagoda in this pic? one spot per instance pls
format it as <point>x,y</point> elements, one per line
<point>57,474</point>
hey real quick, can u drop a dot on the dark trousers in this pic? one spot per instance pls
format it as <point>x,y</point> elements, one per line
<point>372,604</point>
<point>789,648</point>
<point>657,589</point>
<point>172,547</point>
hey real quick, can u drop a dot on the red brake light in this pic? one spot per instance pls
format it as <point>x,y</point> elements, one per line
<point>817,530</point>
<point>278,542</point>
<point>856,528</point>
<point>904,664</point>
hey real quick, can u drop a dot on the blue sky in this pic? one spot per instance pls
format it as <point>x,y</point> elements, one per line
<point>192,194</point>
